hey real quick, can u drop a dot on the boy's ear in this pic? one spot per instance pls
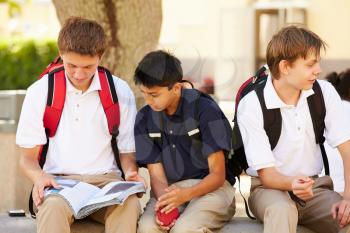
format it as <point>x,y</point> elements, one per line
<point>283,67</point>
<point>178,86</point>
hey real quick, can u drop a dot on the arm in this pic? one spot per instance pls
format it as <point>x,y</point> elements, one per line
<point>158,179</point>
<point>176,196</point>
<point>300,185</point>
<point>344,150</point>
<point>30,166</point>
<point>341,210</point>
<point>130,168</point>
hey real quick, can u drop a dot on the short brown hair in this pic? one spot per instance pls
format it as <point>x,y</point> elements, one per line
<point>291,43</point>
<point>82,36</point>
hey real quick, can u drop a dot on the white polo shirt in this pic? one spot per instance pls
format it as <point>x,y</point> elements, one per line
<point>296,152</point>
<point>82,144</point>
<point>334,158</point>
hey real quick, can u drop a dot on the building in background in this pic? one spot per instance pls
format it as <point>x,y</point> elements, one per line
<point>220,42</point>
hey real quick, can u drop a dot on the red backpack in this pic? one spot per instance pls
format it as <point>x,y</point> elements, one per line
<point>55,104</point>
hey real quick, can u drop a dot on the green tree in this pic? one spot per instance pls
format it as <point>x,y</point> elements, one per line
<point>133,28</point>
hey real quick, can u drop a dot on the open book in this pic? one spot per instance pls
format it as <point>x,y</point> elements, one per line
<point>84,198</point>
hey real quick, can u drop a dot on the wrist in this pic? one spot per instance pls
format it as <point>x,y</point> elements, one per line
<point>291,183</point>
<point>38,174</point>
<point>189,193</point>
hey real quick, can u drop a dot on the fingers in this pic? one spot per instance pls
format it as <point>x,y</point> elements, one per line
<point>161,225</point>
<point>36,196</point>
<point>334,210</point>
<point>343,213</point>
<point>304,194</point>
<point>306,179</point>
<point>41,191</point>
<point>55,184</point>
<point>303,185</point>
<point>345,218</point>
<point>170,188</point>
<point>168,208</point>
<point>130,176</point>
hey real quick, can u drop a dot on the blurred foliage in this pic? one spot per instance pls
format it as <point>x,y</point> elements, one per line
<point>22,61</point>
<point>14,7</point>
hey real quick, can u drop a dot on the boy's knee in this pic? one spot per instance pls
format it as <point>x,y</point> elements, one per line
<point>184,225</point>
<point>53,204</point>
<point>133,202</point>
<point>147,224</point>
<point>282,208</point>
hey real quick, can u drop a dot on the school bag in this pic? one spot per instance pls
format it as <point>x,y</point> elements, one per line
<point>55,104</point>
<point>273,121</point>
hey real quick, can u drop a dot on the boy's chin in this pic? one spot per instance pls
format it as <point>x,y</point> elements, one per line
<point>156,109</point>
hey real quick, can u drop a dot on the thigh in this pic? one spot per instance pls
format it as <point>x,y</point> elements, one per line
<point>56,208</point>
<point>262,198</point>
<point>316,215</point>
<point>101,180</point>
<point>210,211</point>
<point>147,222</point>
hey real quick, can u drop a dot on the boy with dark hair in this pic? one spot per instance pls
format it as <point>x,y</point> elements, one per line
<point>80,149</point>
<point>182,137</point>
<point>290,170</point>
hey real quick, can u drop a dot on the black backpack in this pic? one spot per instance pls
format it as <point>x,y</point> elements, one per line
<point>273,121</point>
<point>191,123</point>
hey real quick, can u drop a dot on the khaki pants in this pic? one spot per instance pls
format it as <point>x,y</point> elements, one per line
<point>207,213</point>
<point>280,214</point>
<point>55,216</point>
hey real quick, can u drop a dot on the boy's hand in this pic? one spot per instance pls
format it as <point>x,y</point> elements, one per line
<point>172,198</point>
<point>45,180</point>
<point>341,212</point>
<point>134,176</point>
<point>162,225</point>
<point>302,187</point>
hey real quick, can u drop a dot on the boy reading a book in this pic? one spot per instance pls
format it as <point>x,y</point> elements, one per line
<point>81,148</point>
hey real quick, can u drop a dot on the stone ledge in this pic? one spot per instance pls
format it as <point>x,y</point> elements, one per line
<point>27,225</point>
<point>246,225</point>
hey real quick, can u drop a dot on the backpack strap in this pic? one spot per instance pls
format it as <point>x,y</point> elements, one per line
<point>56,95</point>
<point>192,127</point>
<point>57,63</point>
<point>109,101</point>
<point>272,117</point>
<point>191,116</point>
<point>317,109</point>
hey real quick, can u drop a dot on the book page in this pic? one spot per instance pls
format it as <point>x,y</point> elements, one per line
<point>74,192</point>
<point>118,191</point>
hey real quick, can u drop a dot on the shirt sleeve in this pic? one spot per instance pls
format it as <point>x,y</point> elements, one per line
<point>30,130</point>
<point>337,123</point>
<point>256,143</point>
<point>125,139</point>
<point>214,127</point>
<point>147,152</point>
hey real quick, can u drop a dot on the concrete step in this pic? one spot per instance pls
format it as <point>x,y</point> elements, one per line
<point>28,225</point>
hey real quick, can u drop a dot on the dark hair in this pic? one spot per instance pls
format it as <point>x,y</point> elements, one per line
<point>82,36</point>
<point>158,68</point>
<point>341,82</point>
<point>289,44</point>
